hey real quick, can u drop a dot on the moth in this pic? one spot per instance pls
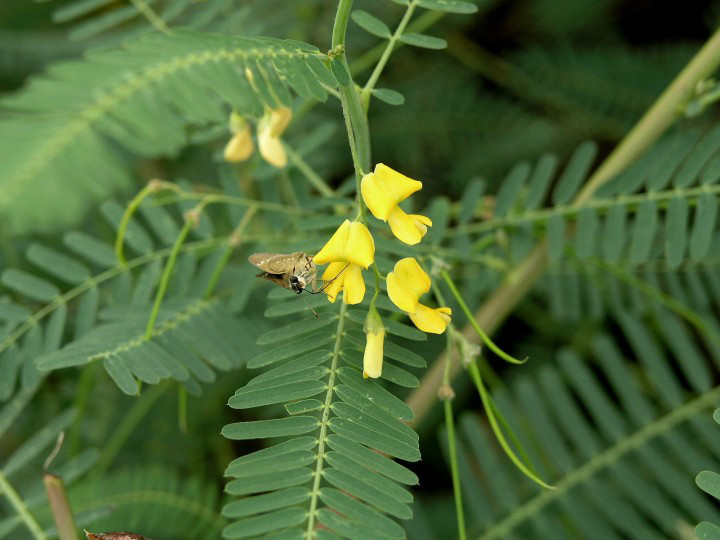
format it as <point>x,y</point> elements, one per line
<point>294,271</point>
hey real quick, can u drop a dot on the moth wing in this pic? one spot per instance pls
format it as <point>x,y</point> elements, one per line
<point>276,279</point>
<point>274,263</point>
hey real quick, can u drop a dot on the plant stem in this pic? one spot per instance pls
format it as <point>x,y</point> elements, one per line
<point>650,127</point>
<point>127,215</point>
<point>658,118</point>
<point>209,198</point>
<point>541,216</point>
<point>234,240</point>
<point>165,278</point>
<point>143,7</point>
<point>314,178</point>
<point>490,411</point>
<point>375,75</point>
<point>454,472</point>
<point>355,121</point>
<point>423,22</point>
<point>450,427</point>
<point>314,494</point>
<point>16,502</point>
<point>61,510</point>
<point>471,318</point>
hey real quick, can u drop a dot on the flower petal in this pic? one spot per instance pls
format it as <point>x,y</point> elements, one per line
<point>433,321</point>
<point>240,147</point>
<point>334,249</point>
<point>353,285</point>
<point>373,357</point>
<point>335,273</point>
<point>408,228</point>
<point>360,247</point>
<point>384,188</point>
<point>272,150</point>
<point>279,120</point>
<point>407,283</point>
<point>351,243</point>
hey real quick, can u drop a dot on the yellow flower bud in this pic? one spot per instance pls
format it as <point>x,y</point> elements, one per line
<point>375,336</point>
<point>271,127</point>
<point>239,148</point>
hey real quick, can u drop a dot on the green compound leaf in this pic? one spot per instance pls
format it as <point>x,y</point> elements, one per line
<point>61,155</point>
<point>371,24</point>
<point>391,97</point>
<point>423,41</point>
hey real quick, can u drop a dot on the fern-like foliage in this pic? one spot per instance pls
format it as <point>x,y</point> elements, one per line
<point>330,476</point>
<point>27,509</point>
<point>102,314</point>
<point>143,97</point>
<point>709,482</point>
<point>112,22</point>
<point>620,459</point>
<point>153,500</point>
<point>665,205</point>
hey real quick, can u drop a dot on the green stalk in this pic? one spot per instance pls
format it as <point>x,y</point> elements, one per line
<point>315,492</point>
<point>355,121</point>
<point>149,13</point>
<point>471,318</point>
<point>447,397</point>
<point>165,278</point>
<point>375,75</point>
<point>60,506</point>
<point>310,175</point>
<point>234,240</point>
<point>490,411</point>
<point>422,23</point>
<point>129,211</point>
<point>454,472</point>
<point>19,505</point>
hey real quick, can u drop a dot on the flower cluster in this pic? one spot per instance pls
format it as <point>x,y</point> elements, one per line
<point>352,249</point>
<point>270,127</point>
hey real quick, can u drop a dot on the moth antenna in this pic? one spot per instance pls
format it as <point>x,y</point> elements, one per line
<point>327,284</point>
<point>311,309</point>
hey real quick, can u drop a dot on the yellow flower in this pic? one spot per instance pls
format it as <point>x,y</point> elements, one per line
<point>351,243</point>
<point>375,335</point>
<point>347,278</point>
<point>240,146</point>
<point>382,191</point>
<point>405,285</point>
<point>348,251</point>
<point>433,321</point>
<point>408,228</point>
<point>270,127</point>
